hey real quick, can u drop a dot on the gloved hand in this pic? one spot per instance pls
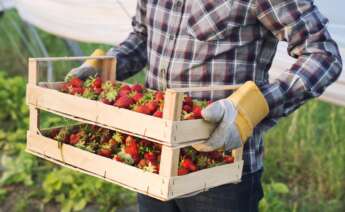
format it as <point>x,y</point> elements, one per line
<point>236,117</point>
<point>89,68</point>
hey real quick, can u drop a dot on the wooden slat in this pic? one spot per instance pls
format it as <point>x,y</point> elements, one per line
<point>109,70</point>
<point>205,179</point>
<point>34,123</point>
<point>105,168</point>
<point>52,59</point>
<point>33,71</point>
<point>99,113</point>
<point>208,88</point>
<point>172,111</point>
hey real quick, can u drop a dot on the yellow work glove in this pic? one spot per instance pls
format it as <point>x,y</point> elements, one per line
<point>88,68</point>
<point>236,117</point>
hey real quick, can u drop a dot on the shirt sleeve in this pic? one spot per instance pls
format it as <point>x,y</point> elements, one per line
<point>303,27</point>
<point>131,54</point>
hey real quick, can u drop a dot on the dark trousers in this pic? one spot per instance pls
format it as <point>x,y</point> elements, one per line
<point>244,196</point>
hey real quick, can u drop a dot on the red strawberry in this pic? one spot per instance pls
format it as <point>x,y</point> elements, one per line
<point>158,114</point>
<point>215,155</point>
<point>142,163</point>
<point>159,96</point>
<point>150,156</point>
<point>65,87</point>
<point>97,90</point>
<point>54,132</point>
<point>187,108</point>
<point>188,101</point>
<point>132,148</point>
<point>152,106</point>
<point>182,171</point>
<point>137,96</point>
<point>117,158</point>
<point>142,109</point>
<point>124,102</point>
<point>197,112</point>
<point>97,83</point>
<point>138,88</point>
<point>76,82</point>
<point>74,139</point>
<point>124,90</point>
<point>188,164</point>
<point>228,159</point>
<point>105,152</point>
<point>77,90</point>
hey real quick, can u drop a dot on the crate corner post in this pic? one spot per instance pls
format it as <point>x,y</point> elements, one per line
<point>109,69</point>
<point>172,111</point>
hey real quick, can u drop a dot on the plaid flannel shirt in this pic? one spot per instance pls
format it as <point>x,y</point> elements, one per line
<point>188,43</point>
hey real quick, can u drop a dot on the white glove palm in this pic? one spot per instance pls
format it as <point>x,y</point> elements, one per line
<point>226,134</point>
<point>82,72</point>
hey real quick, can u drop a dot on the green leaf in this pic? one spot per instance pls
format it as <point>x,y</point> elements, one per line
<point>280,188</point>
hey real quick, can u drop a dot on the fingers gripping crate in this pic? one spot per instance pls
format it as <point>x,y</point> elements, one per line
<point>169,131</point>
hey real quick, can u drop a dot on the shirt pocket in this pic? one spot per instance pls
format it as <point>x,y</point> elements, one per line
<point>210,20</point>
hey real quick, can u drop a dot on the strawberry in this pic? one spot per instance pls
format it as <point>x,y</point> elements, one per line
<point>182,171</point>
<point>137,88</point>
<point>142,163</point>
<point>197,112</point>
<point>188,164</point>
<point>152,106</point>
<point>215,155</point>
<point>97,83</point>
<point>74,139</point>
<point>142,109</point>
<point>187,108</point>
<point>65,87</point>
<point>159,96</point>
<point>105,151</point>
<point>53,133</point>
<point>137,96</point>
<point>158,114</point>
<point>150,156</point>
<point>124,90</point>
<point>117,158</point>
<point>228,159</point>
<point>124,102</point>
<point>188,101</point>
<point>77,90</point>
<point>76,82</point>
<point>131,148</point>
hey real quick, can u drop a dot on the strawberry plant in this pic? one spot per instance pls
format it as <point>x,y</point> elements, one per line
<point>134,151</point>
<point>134,97</point>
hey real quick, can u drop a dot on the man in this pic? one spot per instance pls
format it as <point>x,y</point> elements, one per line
<point>210,42</point>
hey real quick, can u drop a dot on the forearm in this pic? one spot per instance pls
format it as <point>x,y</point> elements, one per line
<point>131,55</point>
<point>318,60</point>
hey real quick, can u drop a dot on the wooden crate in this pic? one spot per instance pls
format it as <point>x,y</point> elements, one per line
<point>159,186</point>
<point>171,132</point>
<point>175,134</point>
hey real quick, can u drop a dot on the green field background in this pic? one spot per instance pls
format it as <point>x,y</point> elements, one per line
<point>304,153</point>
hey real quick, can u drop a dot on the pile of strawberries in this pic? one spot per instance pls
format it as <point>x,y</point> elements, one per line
<point>133,151</point>
<point>134,97</point>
